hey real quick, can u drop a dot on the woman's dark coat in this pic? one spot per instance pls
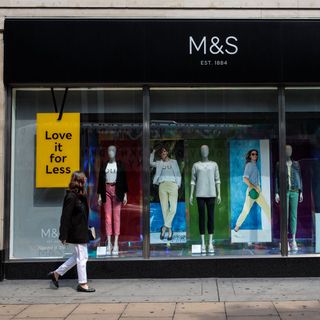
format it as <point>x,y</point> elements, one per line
<point>74,218</point>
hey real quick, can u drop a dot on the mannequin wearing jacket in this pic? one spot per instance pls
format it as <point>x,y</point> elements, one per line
<point>294,193</point>
<point>168,177</point>
<point>205,178</point>
<point>112,193</point>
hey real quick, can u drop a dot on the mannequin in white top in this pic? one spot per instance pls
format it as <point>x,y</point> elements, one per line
<point>112,193</point>
<point>206,180</point>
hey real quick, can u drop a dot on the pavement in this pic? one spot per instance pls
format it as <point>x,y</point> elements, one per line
<point>198,299</point>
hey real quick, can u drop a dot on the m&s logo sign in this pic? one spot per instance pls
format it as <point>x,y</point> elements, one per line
<point>214,45</point>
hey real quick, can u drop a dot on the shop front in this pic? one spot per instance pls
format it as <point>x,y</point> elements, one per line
<point>205,131</point>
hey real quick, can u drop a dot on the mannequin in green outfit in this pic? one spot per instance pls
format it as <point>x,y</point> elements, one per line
<point>294,194</point>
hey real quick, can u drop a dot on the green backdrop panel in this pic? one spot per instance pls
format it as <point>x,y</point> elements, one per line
<point>218,153</point>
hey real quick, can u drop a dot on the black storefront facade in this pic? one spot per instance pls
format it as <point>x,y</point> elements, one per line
<point>232,85</point>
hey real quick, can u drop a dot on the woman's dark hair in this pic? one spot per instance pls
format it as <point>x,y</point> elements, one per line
<point>163,147</point>
<point>248,155</point>
<point>77,182</point>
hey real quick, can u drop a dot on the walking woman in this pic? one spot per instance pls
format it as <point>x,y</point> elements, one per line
<point>74,230</point>
<point>251,178</point>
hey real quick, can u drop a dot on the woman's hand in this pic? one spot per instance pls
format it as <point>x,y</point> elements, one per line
<point>64,242</point>
<point>257,188</point>
<point>99,200</point>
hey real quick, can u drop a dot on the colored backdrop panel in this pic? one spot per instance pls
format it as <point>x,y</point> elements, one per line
<point>218,152</point>
<point>256,227</point>
<point>178,223</point>
<point>306,154</point>
<point>176,151</point>
<point>129,153</point>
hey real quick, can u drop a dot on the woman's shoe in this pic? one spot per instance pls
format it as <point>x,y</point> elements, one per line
<point>53,279</point>
<point>162,232</point>
<point>81,289</point>
<point>170,235</point>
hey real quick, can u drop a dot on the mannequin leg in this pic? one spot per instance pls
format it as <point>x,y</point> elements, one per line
<point>202,217</point>
<point>294,243</point>
<point>108,211</point>
<point>294,198</point>
<point>115,250</point>
<point>288,205</point>
<point>108,215</point>
<point>210,211</point>
<point>116,224</point>
<point>203,245</point>
<point>109,245</point>
<point>211,246</point>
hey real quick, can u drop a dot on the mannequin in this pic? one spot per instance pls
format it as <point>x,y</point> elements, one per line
<point>294,193</point>
<point>112,193</point>
<point>206,179</point>
<point>168,177</point>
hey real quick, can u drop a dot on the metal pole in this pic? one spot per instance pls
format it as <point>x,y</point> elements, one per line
<point>146,173</point>
<point>283,172</point>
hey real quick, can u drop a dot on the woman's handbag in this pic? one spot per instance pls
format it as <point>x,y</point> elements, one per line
<point>92,233</point>
<point>253,194</point>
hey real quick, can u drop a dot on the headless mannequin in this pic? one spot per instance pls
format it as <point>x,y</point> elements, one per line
<point>204,150</point>
<point>112,151</point>
<point>277,196</point>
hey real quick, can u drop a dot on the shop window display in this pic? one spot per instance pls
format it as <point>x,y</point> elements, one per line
<point>214,173</point>
<point>212,135</point>
<point>302,124</point>
<point>107,118</point>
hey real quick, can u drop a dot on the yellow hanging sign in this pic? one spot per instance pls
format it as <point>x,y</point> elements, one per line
<point>57,149</point>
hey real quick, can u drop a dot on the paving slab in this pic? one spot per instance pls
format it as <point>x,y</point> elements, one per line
<point>8,310</point>
<point>216,316</point>
<point>264,289</point>
<point>200,308</point>
<point>244,308</point>
<point>47,311</point>
<point>145,318</point>
<point>152,310</point>
<point>95,308</point>
<point>297,306</point>
<point>93,317</point>
<point>255,318</point>
<point>40,317</point>
<point>300,316</point>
